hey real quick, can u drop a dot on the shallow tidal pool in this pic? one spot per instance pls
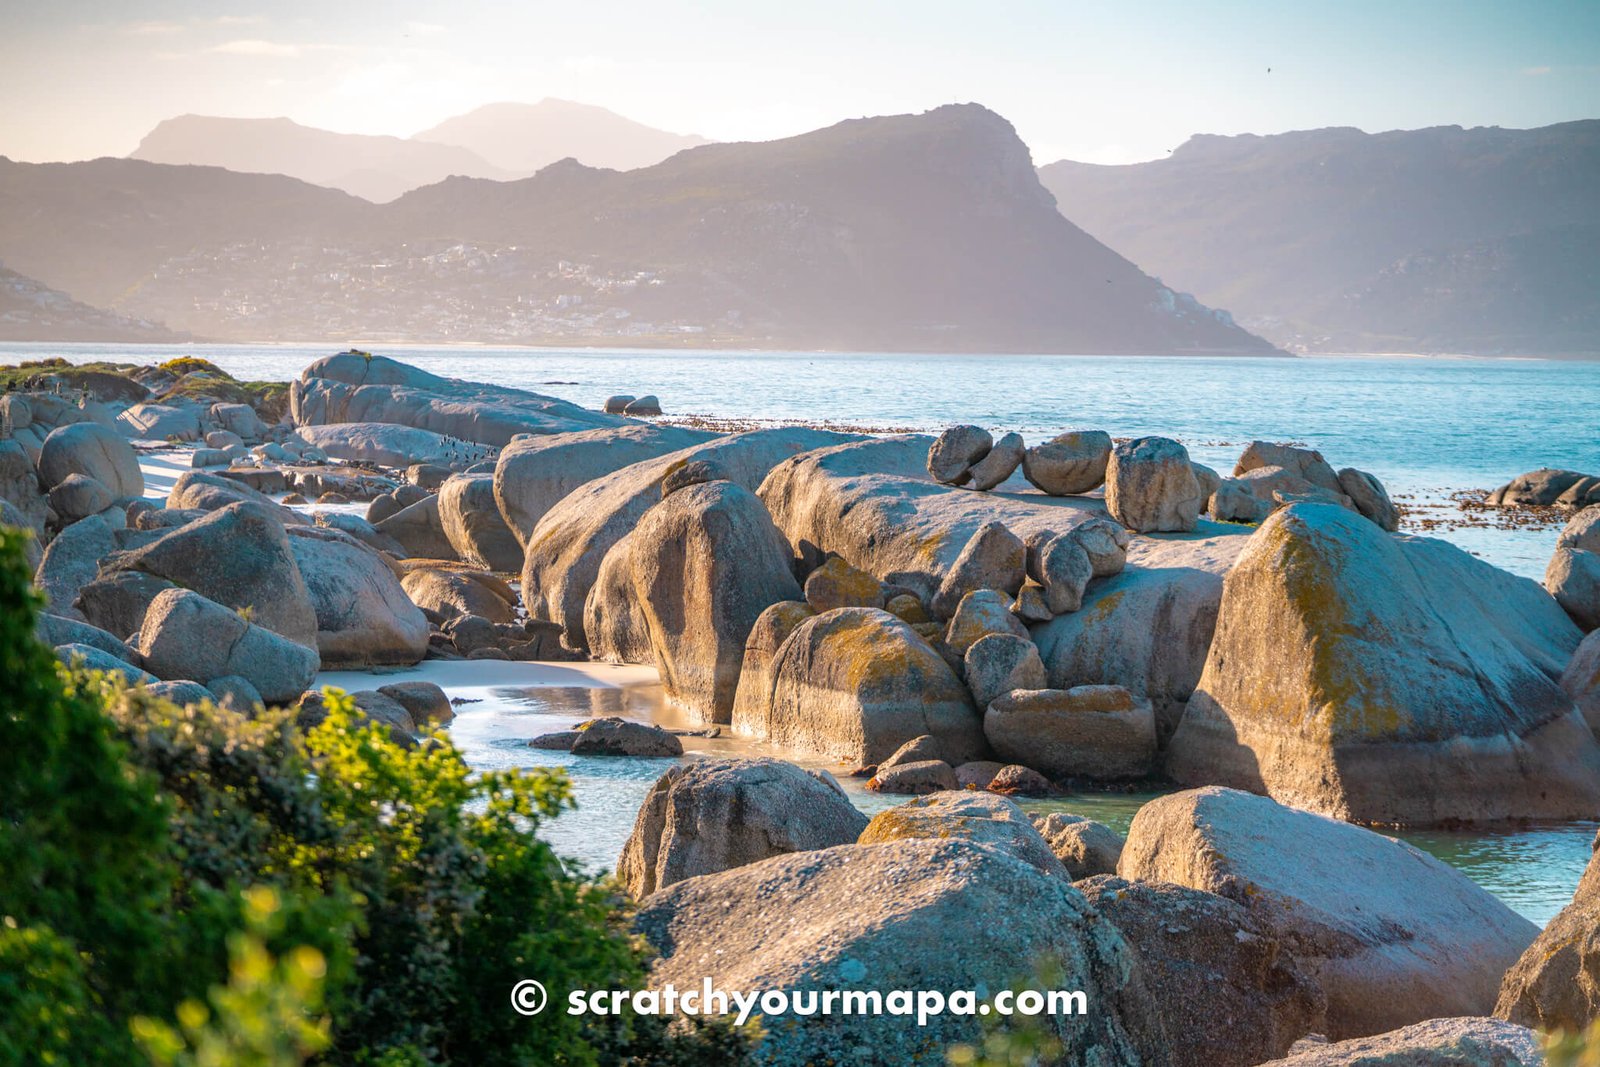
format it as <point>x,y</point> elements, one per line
<point>1533,869</point>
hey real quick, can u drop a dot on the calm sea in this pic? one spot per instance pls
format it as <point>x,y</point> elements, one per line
<point>1429,427</point>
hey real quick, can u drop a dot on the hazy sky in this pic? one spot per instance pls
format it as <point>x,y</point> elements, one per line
<point>1106,82</point>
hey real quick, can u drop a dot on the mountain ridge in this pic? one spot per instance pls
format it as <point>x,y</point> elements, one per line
<point>919,232</point>
<point>1300,233</point>
<point>501,142</point>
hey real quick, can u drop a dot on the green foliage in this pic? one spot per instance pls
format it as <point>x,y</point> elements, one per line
<point>1581,1049</point>
<point>83,858</point>
<point>182,365</point>
<point>264,1017</point>
<point>408,895</point>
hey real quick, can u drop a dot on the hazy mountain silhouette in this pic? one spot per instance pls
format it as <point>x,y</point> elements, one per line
<point>1446,239</point>
<point>523,138</point>
<point>376,168</point>
<point>30,311</point>
<point>919,232</point>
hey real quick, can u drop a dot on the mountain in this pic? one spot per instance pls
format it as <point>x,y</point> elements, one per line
<point>374,168</point>
<point>913,232</point>
<point>524,138</point>
<point>30,311</point>
<point>1438,240</point>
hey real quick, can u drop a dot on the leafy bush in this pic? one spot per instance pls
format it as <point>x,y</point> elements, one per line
<point>137,839</point>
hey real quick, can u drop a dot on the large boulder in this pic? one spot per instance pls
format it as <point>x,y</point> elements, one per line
<point>119,601</point>
<point>1581,680</point>
<point>569,543</point>
<point>1150,486</point>
<point>704,563</point>
<point>1149,627</point>
<point>419,529</point>
<point>1307,463</point>
<point>857,683</point>
<point>982,818</point>
<point>955,451</point>
<point>449,593</point>
<point>872,503</point>
<point>906,915</point>
<point>613,618</point>
<point>78,497</point>
<point>1465,1042</point>
<point>1092,731</point>
<point>1070,463</point>
<point>364,618</point>
<point>534,472</point>
<point>1393,935</point>
<point>91,658</point>
<point>473,525</point>
<point>1546,487</point>
<point>19,486</point>
<point>240,558</point>
<point>56,630</point>
<point>1228,990</point>
<point>162,422</point>
<point>1370,498</point>
<point>186,636</point>
<point>1556,983</point>
<point>356,387</point>
<point>752,700</point>
<point>1084,847</point>
<point>717,814</point>
<point>202,491</point>
<point>1388,680</point>
<point>71,561</point>
<point>391,445</point>
<point>91,450</point>
<point>1573,578</point>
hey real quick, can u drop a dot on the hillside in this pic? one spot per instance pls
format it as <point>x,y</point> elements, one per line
<point>1444,240</point>
<point>917,232</point>
<point>33,312</point>
<point>523,138</point>
<point>375,168</point>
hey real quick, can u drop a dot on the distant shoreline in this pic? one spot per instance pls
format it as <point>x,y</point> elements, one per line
<point>720,349</point>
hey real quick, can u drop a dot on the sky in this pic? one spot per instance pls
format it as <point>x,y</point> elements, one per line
<point>1102,82</point>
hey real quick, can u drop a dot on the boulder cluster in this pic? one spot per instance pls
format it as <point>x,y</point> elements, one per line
<point>904,609</point>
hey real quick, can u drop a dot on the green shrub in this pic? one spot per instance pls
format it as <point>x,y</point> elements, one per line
<point>137,838</point>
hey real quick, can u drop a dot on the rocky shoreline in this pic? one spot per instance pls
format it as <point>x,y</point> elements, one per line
<point>962,619</point>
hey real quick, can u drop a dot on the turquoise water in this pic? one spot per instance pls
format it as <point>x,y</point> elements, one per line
<point>1534,869</point>
<point>1427,427</point>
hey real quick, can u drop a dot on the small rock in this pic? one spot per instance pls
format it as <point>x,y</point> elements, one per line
<point>907,608</point>
<point>1015,780</point>
<point>618,404</point>
<point>999,663</point>
<point>1073,463</point>
<point>836,584</point>
<point>981,613</point>
<point>614,736</point>
<point>977,774</point>
<point>993,558</point>
<point>914,779</point>
<point>1086,848</point>
<point>644,405</point>
<point>916,750</point>
<point>1151,487</point>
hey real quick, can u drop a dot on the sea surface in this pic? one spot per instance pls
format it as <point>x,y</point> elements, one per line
<point>1430,428</point>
